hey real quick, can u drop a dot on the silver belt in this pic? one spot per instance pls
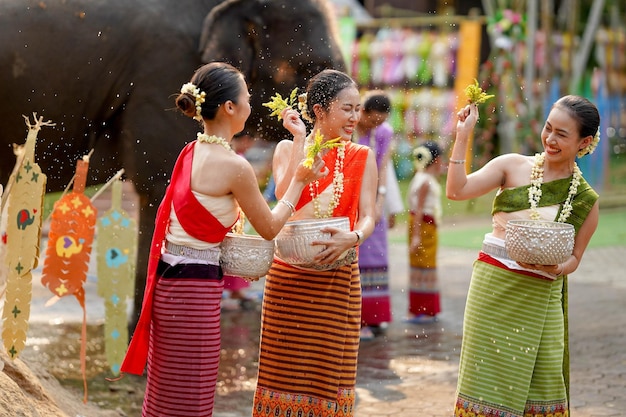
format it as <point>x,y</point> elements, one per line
<point>495,250</point>
<point>211,255</point>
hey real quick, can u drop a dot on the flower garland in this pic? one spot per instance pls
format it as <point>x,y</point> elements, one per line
<point>198,96</point>
<point>337,187</point>
<point>204,138</point>
<point>534,191</point>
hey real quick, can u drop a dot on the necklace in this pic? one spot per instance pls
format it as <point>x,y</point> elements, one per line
<point>534,191</point>
<point>204,138</point>
<point>337,187</point>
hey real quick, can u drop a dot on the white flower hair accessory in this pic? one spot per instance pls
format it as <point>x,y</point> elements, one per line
<point>588,150</point>
<point>199,96</point>
<point>423,157</point>
<point>302,107</point>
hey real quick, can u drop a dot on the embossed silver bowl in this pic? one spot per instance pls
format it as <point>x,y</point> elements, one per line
<point>246,256</point>
<point>539,242</point>
<point>293,243</point>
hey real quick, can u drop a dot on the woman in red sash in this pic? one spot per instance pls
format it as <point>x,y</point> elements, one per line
<point>178,333</point>
<point>311,318</point>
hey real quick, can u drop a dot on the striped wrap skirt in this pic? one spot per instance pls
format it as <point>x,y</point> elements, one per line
<point>309,342</point>
<point>424,291</point>
<point>184,348</point>
<point>513,361</point>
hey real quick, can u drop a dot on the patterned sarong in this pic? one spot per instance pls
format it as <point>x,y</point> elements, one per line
<point>310,342</point>
<point>184,341</point>
<point>424,297</point>
<point>512,358</point>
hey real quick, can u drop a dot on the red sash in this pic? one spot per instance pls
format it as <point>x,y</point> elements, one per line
<point>197,222</point>
<point>353,168</point>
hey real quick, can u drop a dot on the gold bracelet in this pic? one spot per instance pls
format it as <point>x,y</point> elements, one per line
<point>457,161</point>
<point>289,204</point>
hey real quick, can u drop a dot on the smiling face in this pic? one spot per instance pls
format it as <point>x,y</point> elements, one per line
<point>560,135</point>
<point>342,116</point>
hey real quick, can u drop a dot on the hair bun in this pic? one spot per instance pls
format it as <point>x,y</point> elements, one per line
<point>186,104</point>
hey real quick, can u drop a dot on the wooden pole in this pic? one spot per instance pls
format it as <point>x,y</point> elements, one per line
<point>467,59</point>
<point>580,59</point>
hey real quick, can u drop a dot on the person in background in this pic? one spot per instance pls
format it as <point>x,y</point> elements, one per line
<point>235,296</point>
<point>514,355</point>
<point>311,317</point>
<point>424,202</point>
<point>393,199</point>
<point>178,332</point>
<point>374,131</point>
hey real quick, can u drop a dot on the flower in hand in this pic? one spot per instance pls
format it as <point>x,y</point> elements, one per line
<point>278,104</point>
<point>475,94</point>
<point>316,146</point>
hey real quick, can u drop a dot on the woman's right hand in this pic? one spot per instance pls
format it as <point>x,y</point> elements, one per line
<point>467,118</point>
<point>293,123</point>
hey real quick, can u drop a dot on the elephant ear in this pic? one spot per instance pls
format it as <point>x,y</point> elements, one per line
<point>229,34</point>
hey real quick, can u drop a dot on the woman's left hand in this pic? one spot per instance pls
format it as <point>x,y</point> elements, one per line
<point>339,242</point>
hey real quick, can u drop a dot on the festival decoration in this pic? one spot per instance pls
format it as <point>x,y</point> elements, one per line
<point>24,196</point>
<point>70,238</point>
<point>116,259</point>
<point>507,27</point>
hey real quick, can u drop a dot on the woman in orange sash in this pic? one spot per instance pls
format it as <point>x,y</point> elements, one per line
<point>311,318</point>
<point>178,333</point>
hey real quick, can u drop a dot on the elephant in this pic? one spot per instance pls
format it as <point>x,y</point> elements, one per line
<point>284,41</point>
<point>68,246</point>
<point>24,218</point>
<point>106,74</point>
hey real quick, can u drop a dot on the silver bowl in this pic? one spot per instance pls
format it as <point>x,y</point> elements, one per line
<point>293,243</point>
<point>246,256</point>
<point>539,242</point>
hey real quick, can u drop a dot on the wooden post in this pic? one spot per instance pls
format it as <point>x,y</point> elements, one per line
<point>467,68</point>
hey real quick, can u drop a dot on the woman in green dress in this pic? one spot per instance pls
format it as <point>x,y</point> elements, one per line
<point>514,356</point>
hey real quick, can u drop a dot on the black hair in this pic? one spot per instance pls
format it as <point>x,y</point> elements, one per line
<point>219,81</point>
<point>433,148</point>
<point>376,100</point>
<point>583,111</point>
<point>324,87</point>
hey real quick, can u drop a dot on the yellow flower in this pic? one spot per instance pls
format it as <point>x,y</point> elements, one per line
<point>316,146</point>
<point>278,103</point>
<point>475,94</point>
